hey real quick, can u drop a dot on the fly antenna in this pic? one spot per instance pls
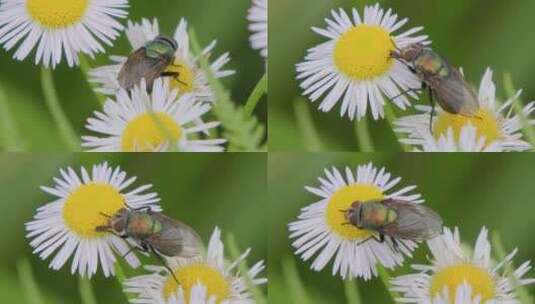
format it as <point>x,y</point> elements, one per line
<point>104,214</point>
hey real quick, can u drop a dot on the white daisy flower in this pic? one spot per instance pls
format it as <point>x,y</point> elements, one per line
<point>322,230</point>
<point>495,125</point>
<point>456,276</point>
<point>468,142</point>
<point>144,122</point>
<point>191,79</point>
<point>220,282</point>
<point>258,16</point>
<point>66,226</point>
<point>198,295</point>
<point>354,66</point>
<point>59,27</point>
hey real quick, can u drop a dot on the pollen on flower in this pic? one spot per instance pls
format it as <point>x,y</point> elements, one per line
<point>149,131</point>
<point>342,200</point>
<point>187,276</point>
<point>184,81</point>
<point>363,52</point>
<point>57,13</point>
<point>484,121</point>
<point>85,207</point>
<point>454,276</point>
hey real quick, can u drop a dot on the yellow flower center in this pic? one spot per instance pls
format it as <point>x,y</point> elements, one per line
<point>454,276</point>
<point>190,275</point>
<point>57,13</point>
<point>84,208</point>
<point>342,200</point>
<point>149,131</point>
<point>363,52</point>
<point>484,121</point>
<point>184,81</point>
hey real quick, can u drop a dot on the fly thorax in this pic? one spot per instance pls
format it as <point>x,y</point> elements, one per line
<point>430,63</point>
<point>158,49</point>
<point>140,225</point>
<point>374,216</point>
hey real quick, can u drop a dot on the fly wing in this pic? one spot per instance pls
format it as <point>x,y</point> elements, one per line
<point>414,221</point>
<point>454,94</point>
<point>139,66</point>
<point>175,238</point>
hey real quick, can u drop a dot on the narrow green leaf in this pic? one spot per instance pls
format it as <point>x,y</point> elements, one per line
<point>385,277</point>
<point>243,132</point>
<point>66,131</point>
<point>85,68</point>
<point>32,294</point>
<point>12,140</point>
<point>527,129</point>
<point>86,291</point>
<point>363,135</point>
<point>352,292</point>
<point>294,283</point>
<point>235,253</point>
<point>521,292</point>
<point>259,90</point>
<point>305,124</point>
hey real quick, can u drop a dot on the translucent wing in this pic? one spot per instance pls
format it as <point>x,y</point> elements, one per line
<point>454,94</point>
<point>139,66</point>
<point>176,238</point>
<point>414,221</point>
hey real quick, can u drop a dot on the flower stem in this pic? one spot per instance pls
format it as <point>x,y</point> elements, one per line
<point>66,131</point>
<point>11,136</point>
<point>352,292</point>
<point>306,126</point>
<point>385,277</point>
<point>520,290</point>
<point>517,105</point>
<point>86,291</point>
<point>294,284</point>
<point>27,281</point>
<point>363,135</point>
<point>85,67</point>
<point>259,90</point>
<point>234,252</point>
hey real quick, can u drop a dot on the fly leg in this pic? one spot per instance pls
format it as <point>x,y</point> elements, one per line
<point>395,245</point>
<point>408,91</point>
<point>379,239</point>
<point>432,101</point>
<point>174,75</point>
<point>164,263</point>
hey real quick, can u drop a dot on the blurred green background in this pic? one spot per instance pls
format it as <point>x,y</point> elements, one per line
<point>474,34</point>
<point>467,190</point>
<point>20,81</point>
<point>202,190</point>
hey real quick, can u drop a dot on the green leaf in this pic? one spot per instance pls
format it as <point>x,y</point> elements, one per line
<point>259,90</point>
<point>499,249</point>
<point>32,294</point>
<point>518,106</point>
<point>243,132</point>
<point>235,254</point>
